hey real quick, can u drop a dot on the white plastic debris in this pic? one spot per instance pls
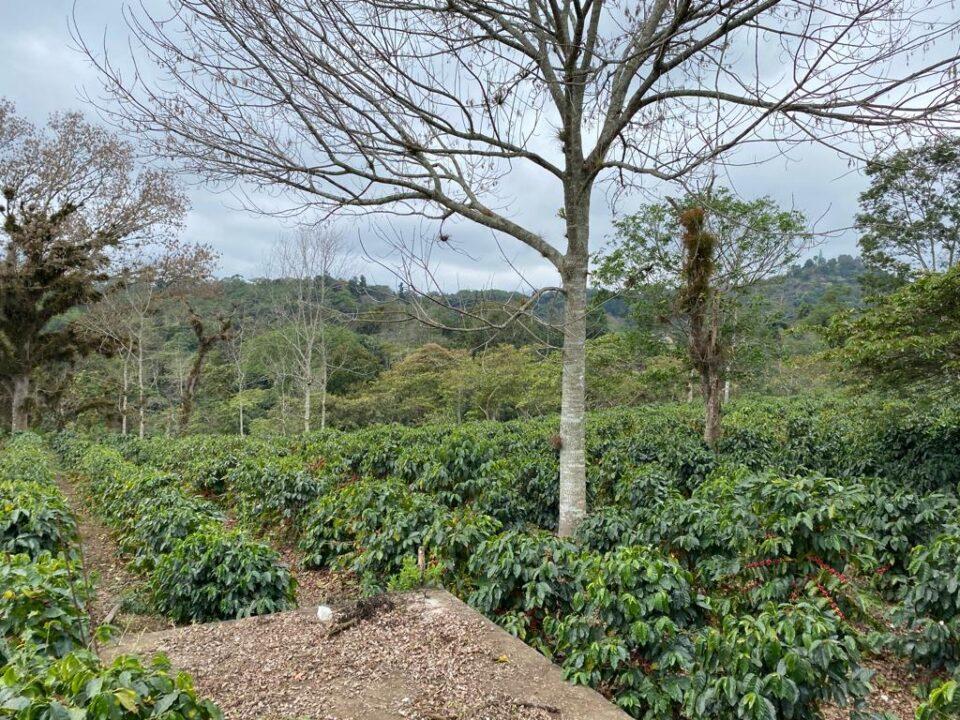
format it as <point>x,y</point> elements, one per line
<point>324,613</point>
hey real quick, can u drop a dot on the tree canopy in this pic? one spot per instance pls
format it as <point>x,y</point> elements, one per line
<point>909,338</point>
<point>910,214</point>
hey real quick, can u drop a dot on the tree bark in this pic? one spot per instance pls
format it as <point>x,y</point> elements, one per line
<point>713,387</point>
<point>125,397</point>
<point>141,410</point>
<point>307,406</point>
<point>308,388</point>
<point>573,482</point>
<point>323,391</point>
<point>20,419</point>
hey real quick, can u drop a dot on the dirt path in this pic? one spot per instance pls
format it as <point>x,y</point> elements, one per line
<point>116,587</point>
<point>892,690</point>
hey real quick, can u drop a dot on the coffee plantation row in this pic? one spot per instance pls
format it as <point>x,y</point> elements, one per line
<point>743,583</point>
<point>50,670</point>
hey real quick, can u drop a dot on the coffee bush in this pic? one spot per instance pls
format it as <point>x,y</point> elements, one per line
<point>216,574</point>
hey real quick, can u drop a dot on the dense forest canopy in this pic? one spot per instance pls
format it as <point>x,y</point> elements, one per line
<point>389,367</point>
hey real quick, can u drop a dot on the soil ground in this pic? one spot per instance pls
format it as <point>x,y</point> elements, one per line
<point>428,657</point>
<point>116,588</point>
<point>892,684</point>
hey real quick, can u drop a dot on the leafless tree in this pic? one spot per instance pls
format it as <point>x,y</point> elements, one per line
<point>237,350</point>
<point>424,106</point>
<point>122,319</point>
<point>310,260</point>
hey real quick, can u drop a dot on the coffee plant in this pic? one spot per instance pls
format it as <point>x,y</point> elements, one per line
<point>42,604</point>
<point>78,686</point>
<point>217,575</point>
<point>931,605</point>
<point>782,662</point>
<point>735,582</point>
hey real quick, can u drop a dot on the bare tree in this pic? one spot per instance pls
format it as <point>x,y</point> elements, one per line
<point>310,260</point>
<point>236,348</point>
<point>123,321</point>
<point>426,106</point>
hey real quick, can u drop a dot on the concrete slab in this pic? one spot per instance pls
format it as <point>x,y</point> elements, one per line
<point>430,657</point>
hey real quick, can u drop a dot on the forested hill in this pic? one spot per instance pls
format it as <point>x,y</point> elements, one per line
<point>380,364</point>
<point>811,291</point>
<point>815,290</point>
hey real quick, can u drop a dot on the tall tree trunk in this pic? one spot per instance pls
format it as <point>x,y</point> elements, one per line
<point>141,410</point>
<point>573,481</point>
<point>713,387</point>
<point>125,397</point>
<point>241,419</point>
<point>323,389</point>
<point>307,404</point>
<point>19,418</point>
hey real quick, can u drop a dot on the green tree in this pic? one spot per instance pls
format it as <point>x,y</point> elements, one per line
<point>910,337</point>
<point>415,389</point>
<point>72,196</point>
<point>910,214</point>
<point>695,263</point>
<point>625,368</point>
<point>504,382</point>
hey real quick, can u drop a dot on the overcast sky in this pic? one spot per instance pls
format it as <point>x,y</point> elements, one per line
<point>41,73</point>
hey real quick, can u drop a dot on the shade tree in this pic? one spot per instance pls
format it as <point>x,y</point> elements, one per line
<point>428,107</point>
<point>907,339</point>
<point>692,265</point>
<point>72,196</point>
<point>910,214</point>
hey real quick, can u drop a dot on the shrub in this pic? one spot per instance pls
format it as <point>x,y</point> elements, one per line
<point>41,604</point>
<point>898,520</point>
<point>932,603</point>
<point>942,702</point>
<point>807,528</point>
<point>643,485</point>
<point>519,578</point>
<point>26,459</point>
<point>335,521</point>
<point>199,571</point>
<point>454,537</point>
<point>271,492</point>
<point>78,686</point>
<point>34,518</point>
<point>219,575</point>
<point>411,577</point>
<point>781,663</point>
<point>382,547</point>
<point>625,629</point>
<point>165,519</point>
<point>609,528</point>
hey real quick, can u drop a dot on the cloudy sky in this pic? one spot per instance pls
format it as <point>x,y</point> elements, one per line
<point>41,73</point>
